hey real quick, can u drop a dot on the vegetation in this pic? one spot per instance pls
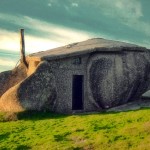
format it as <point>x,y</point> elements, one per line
<point>102,131</point>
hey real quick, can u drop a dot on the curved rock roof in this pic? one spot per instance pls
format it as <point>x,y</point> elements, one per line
<point>88,46</point>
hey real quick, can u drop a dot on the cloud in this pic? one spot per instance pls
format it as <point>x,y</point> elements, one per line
<point>49,36</point>
<point>4,68</point>
<point>55,35</point>
<point>7,62</point>
<point>10,41</point>
<point>126,12</point>
<point>129,13</point>
<point>74,4</point>
<point>125,9</point>
<point>49,4</point>
<point>118,8</point>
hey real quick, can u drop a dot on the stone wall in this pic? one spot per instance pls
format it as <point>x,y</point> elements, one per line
<point>63,71</point>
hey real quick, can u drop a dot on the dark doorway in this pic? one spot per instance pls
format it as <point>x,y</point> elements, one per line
<point>77,92</point>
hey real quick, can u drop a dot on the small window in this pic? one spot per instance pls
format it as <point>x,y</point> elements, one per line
<point>77,61</point>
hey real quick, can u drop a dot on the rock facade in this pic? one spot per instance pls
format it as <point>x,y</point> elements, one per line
<point>116,79</point>
<point>109,79</point>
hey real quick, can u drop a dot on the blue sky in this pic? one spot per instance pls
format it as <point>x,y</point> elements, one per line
<point>53,23</point>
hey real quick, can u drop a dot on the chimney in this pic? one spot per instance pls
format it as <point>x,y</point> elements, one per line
<point>22,47</point>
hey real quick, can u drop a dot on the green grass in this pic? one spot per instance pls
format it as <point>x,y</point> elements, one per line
<point>102,131</point>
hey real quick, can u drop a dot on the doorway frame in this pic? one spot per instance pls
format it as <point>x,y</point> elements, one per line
<point>82,101</point>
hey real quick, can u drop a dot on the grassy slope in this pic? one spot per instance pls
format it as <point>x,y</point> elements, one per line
<point>107,131</point>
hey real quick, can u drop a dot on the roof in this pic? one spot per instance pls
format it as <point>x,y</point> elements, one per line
<point>88,46</point>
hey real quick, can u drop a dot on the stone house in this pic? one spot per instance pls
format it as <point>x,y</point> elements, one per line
<point>81,77</point>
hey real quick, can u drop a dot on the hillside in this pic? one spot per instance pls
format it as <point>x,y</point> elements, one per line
<point>120,130</point>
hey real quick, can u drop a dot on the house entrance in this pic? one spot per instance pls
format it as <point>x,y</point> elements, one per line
<point>77,92</point>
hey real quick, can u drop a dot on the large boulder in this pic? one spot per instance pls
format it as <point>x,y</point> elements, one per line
<point>10,78</point>
<point>37,92</point>
<point>115,79</point>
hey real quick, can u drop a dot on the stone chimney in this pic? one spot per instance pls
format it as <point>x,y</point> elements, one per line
<point>22,48</point>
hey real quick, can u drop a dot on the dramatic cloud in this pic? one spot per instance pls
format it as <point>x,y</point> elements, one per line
<point>127,12</point>
<point>125,9</point>
<point>75,4</point>
<point>9,62</point>
<point>49,4</point>
<point>8,59</point>
<point>9,40</point>
<point>130,14</point>
<point>55,35</point>
<point>53,23</point>
<point>48,36</point>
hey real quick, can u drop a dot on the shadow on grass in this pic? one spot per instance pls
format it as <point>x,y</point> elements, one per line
<point>23,147</point>
<point>37,115</point>
<point>61,137</point>
<point>4,136</point>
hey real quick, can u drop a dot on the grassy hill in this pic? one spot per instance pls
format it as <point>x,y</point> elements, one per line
<point>101,131</point>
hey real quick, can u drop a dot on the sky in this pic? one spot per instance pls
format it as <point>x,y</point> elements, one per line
<point>53,23</point>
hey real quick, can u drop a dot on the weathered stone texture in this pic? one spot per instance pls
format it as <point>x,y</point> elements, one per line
<point>63,70</point>
<point>112,75</point>
<point>10,78</point>
<point>32,67</point>
<point>9,100</point>
<point>4,79</point>
<point>118,78</point>
<point>38,91</point>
